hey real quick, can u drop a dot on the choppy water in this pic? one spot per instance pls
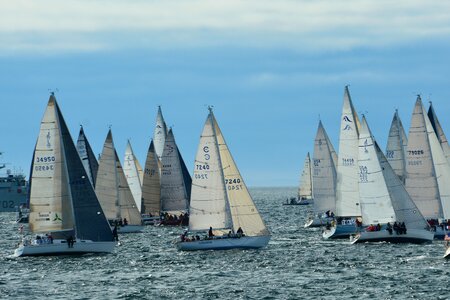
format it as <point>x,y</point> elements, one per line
<point>297,264</point>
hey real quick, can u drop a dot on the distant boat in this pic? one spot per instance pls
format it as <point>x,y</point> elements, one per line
<point>348,209</point>
<point>384,199</point>
<point>151,188</point>
<point>87,156</point>
<point>428,172</point>
<point>324,179</point>
<point>133,172</point>
<point>220,199</point>
<point>13,190</point>
<point>396,147</point>
<point>174,191</point>
<point>114,193</point>
<point>62,200</point>
<point>305,189</point>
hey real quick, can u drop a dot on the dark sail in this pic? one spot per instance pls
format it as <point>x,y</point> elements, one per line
<point>86,153</point>
<point>186,176</point>
<point>90,221</point>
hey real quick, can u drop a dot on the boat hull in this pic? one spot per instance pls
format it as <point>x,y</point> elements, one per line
<point>414,236</point>
<point>130,229</point>
<point>246,242</point>
<point>317,222</point>
<point>60,247</point>
<point>339,232</point>
<point>447,253</point>
<point>151,220</point>
<point>439,233</point>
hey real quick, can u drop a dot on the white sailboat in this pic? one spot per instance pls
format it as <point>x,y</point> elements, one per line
<point>62,200</point>
<point>159,134</point>
<point>220,199</point>
<point>114,193</point>
<point>347,191</point>
<point>439,131</point>
<point>396,147</point>
<point>132,170</point>
<point>87,156</point>
<point>428,172</point>
<point>174,192</point>
<point>324,179</point>
<point>305,189</point>
<point>151,188</point>
<point>384,199</point>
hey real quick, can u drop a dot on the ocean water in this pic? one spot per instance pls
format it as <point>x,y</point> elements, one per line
<point>297,264</point>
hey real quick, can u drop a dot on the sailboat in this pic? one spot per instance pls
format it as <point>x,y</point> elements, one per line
<point>348,210</point>
<point>63,203</point>
<point>87,156</point>
<point>133,172</point>
<point>324,178</point>
<point>174,191</point>
<point>396,147</point>
<point>384,199</point>
<point>114,193</point>
<point>305,190</point>
<point>428,172</point>
<point>220,200</point>
<point>151,188</point>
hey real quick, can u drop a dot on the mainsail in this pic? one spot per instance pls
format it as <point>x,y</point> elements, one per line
<point>131,168</point>
<point>87,156</point>
<point>159,134</point>
<point>112,188</point>
<point>347,192</point>
<point>151,186</point>
<point>62,199</point>
<point>424,154</point>
<point>305,189</point>
<point>396,147</point>
<point>220,198</point>
<point>174,195</point>
<point>324,173</point>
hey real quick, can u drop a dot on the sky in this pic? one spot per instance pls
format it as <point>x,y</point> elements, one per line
<point>270,69</point>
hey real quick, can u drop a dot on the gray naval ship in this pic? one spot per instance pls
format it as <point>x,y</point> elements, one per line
<point>13,190</point>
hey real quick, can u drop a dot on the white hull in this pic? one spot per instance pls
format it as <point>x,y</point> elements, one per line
<point>447,253</point>
<point>130,229</point>
<point>246,242</point>
<point>60,247</point>
<point>339,232</point>
<point>151,220</point>
<point>317,222</point>
<point>416,236</point>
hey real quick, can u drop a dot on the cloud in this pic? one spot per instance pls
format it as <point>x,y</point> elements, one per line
<point>59,26</point>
